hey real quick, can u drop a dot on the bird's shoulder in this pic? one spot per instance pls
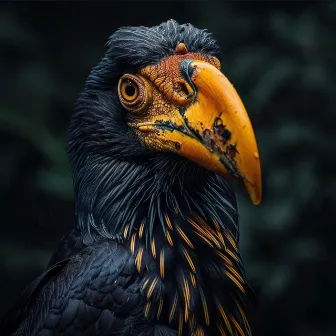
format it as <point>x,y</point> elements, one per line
<point>71,244</point>
<point>91,292</point>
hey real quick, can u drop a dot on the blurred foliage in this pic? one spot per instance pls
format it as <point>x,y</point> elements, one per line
<point>281,58</point>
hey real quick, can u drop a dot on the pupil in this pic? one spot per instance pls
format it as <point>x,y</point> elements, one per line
<point>130,90</point>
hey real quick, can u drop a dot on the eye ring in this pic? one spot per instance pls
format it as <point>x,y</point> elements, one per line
<point>133,93</point>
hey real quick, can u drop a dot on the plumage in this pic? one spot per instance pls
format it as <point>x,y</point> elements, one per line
<point>154,249</point>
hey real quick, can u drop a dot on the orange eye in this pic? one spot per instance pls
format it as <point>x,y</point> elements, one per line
<point>129,90</point>
<point>134,94</point>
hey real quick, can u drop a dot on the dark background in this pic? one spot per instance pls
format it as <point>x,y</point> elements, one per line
<point>281,57</point>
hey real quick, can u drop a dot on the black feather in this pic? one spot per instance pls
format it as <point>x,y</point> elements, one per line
<point>112,283</point>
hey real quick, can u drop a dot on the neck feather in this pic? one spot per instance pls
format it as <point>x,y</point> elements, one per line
<point>113,196</point>
<point>180,222</point>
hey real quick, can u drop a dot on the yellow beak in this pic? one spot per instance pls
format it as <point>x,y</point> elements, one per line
<point>219,117</point>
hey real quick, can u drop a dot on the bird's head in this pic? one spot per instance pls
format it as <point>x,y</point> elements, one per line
<point>160,90</point>
<point>158,95</point>
<point>184,104</point>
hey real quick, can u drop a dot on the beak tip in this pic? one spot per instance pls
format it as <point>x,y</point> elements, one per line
<point>254,191</point>
<point>256,201</point>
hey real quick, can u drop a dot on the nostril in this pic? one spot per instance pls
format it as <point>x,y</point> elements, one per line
<point>183,89</point>
<point>187,71</point>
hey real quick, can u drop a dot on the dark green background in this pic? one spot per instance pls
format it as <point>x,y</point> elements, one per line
<point>281,57</point>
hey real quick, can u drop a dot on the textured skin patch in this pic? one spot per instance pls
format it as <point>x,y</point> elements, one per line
<point>167,78</point>
<point>181,49</point>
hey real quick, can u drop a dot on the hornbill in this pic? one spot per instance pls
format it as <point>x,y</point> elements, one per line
<point>156,139</point>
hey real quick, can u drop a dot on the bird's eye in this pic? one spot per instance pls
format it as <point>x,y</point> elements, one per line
<point>129,90</point>
<point>133,92</point>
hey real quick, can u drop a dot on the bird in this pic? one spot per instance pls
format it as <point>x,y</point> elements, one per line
<point>156,140</point>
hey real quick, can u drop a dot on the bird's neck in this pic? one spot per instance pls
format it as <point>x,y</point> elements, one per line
<point>113,197</point>
<point>180,223</point>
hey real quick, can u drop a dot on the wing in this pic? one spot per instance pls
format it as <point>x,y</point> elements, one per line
<point>73,243</point>
<point>92,293</point>
<point>68,246</point>
<point>21,308</point>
